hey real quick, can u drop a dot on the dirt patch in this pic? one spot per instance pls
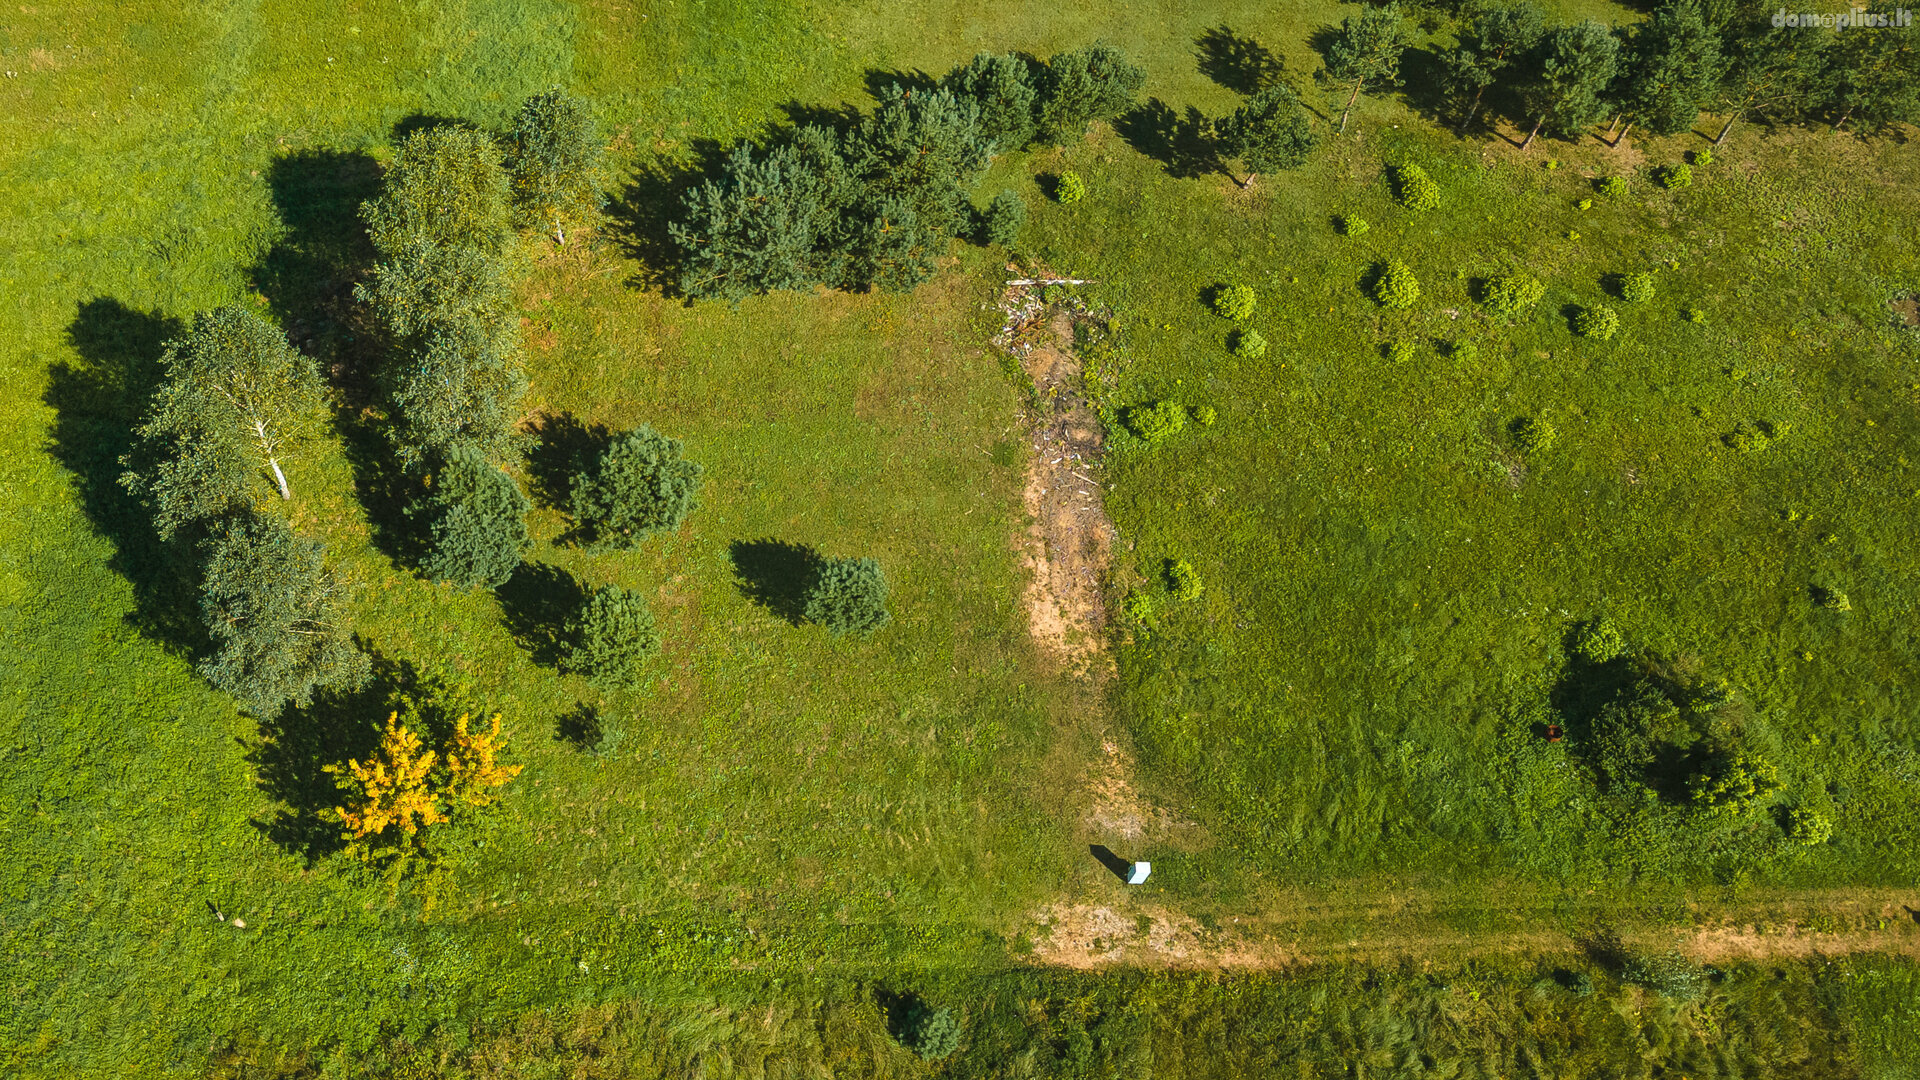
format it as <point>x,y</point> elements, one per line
<point>1068,543</point>
<point>1906,309</point>
<point>1086,936</point>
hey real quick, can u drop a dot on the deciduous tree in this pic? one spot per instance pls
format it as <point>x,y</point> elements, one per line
<point>557,162</point>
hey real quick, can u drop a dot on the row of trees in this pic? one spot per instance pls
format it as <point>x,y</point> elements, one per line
<point>875,204</point>
<point>1688,57</point>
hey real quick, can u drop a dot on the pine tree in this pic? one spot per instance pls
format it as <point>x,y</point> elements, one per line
<point>1271,131</point>
<point>235,394</point>
<point>1002,88</point>
<point>1365,51</point>
<point>760,226</point>
<point>557,163</point>
<point>1671,68</point>
<point>1572,69</point>
<point>1496,37</point>
<point>1005,216</point>
<point>477,516</point>
<point>270,605</point>
<point>848,596</point>
<point>920,150</point>
<point>1872,73</point>
<point>1771,72</point>
<point>1079,87</point>
<point>641,484</point>
<point>612,638</point>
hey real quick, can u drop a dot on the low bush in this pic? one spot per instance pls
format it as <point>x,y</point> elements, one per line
<point>1249,345</point>
<point>1399,352</point>
<point>1511,294</point>
<point>1614,186</point>
<point>1464,352</point>
<point>1732,781</point>
<point>1004,218</point>
<point>1753,438</point>
<point>1353,225</point>
<point>1068,188</point>
<point>1669,974</point>
<point>848,596</point>
<point>1599,322</point>
<point>1414,189</point>
<point>641,484</point>
<point>1137,606</point>
<point>477,518</point>
<point>1234,302</point>
<point>1395,287</point>
<point>1155,421</point>
<point>1674,177</point>
<point>1697,316</point>
<point>1204,415</point>
<point>612,638</point>
<point>933,1034</point>
<point>1703,157</point>
<point>1636,288</point>
<point>1532,434</point>
<point>1808,827</point>
<point>1832,599</point>
<point>1584,204</point>
<point>1183,582</point>
<point>1598,641</point>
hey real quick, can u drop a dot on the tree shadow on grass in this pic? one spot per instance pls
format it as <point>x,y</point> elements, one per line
<point>1182,144</point>
<point>1240,64</point>
<point>295,747</point>
<point>98,400</point>
<point>776,574</point>
<point>880,82</point>
<point>537,603</point>
<point>308,277</point>
<point>562,446</point>
<point>1423,81</point>
<point>654,196</point>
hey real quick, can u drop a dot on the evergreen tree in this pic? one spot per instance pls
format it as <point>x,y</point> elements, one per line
<point>1872,73</point>
<point>557,162</point>
<point>641,484</point>
<point>1271,131</point>
<point>270,606</point>
<point>1495,38</point>
<point>760,226</point>
<point>920,150</point>
<point>234,394</point>
<point>1001,87</point>
<point>1771,72</point>
<point>477,516</point>
<point>459,385</point>
<point>1005,216</point>
<point>1671,69</point>
<point>612,638</point>
<point>891,248</point>
<point>1079,87</point>
<point>1365,51</point>
<point>1572,69</point>
<point>848,596</point>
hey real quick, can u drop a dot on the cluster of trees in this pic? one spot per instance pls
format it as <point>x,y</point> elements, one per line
<point>1688,57</point>
<point>873,205</point>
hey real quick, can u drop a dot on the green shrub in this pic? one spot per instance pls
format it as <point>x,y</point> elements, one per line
<point>1669,974</point>
<point>1584,204</point>
<point>1465,352</point>
<point>1636,288</point>
<point>1732,781</point>
<point>1753,438</point>
<point>1137,606</point>
<point>641,484</point>
<point>1831,599</point>
<point>1204,415</point>
<point>1598,641</point>
<point>478,521</point>
<point>1003,219</point>
<point>848,596</point>
<point>1249,345</point>
<point>1068,188</point>
<point>1697,316</point>
<point>1703,157</point>
<point>1155,421</point>
<point>1353,225</point>
<point>1510,295</point>
<point>1415,189</point>
<point>1234,302</point>
<point>1808,826</point>
<point>555,157</point>
<point>1614,186</point>
<point>1599,322</point>
<point>1532,434</point>
<point>612,638</point>
<point>1674,177</point>
<point>933,1034</point>
<point>1400,352</point>
<point>1183,582</point>
<point>1395,288</point>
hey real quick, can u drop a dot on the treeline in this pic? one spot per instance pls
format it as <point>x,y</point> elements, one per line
<point>873,204</point>
<point>1688,57</point>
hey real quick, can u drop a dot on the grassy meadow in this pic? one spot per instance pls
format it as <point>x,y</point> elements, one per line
<point>792,832</point>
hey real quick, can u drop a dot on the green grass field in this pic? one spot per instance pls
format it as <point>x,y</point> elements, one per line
<point>795,831</point>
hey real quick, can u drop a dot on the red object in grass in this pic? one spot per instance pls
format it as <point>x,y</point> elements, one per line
<point>1553,732</point>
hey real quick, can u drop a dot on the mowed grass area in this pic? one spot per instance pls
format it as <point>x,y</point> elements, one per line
<point>784,806</point>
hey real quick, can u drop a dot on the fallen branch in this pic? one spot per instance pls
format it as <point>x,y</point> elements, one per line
<point>1053,281</point>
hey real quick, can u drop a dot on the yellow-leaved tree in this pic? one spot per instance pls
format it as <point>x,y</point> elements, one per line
<point>392,788</point>
<point>474,774</point>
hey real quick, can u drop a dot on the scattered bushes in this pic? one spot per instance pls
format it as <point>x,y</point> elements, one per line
<point>641,484</point>
<point>1674,177</point>
<point>477,517</point>
<point>1234,302</point>
<point>1353,225</point>
<point>1004,218</point>
<point>1154,421</point>
<point>1249,345</point>
<point>1414,189</point>
<point>1598,321</point>
<point>1598,641</point>
<point>1068,188</point>
<point>1510,295</point>
<point>1614,187</point>
<point>847,596</point>
<point>1183,581</point>
<point>1636,288</point>
<point>1394,287</point>
<point>1532,434</point>
<point>612,638</point>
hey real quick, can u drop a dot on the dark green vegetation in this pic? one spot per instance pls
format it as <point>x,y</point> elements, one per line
<point>783,843</point>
